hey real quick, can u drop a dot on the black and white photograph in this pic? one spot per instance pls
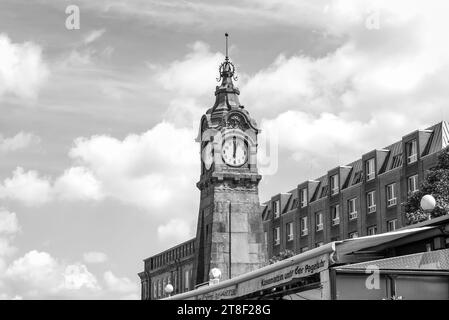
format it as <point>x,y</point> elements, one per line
<point>240,151</point>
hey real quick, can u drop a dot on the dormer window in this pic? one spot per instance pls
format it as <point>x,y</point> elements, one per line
<point>370,169</point>
<point>335,188</point>
<point>276,209</point>
<point>412,151</point>
<point>303,197</point>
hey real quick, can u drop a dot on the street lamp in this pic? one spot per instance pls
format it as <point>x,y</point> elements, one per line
<point>168,289</point>
<point>428,203</point>
<point>214,276</point>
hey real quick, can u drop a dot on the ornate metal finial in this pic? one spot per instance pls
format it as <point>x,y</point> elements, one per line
<point>227,68</point>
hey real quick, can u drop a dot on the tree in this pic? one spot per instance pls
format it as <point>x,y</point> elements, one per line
<point>285,254</point>
<point>437,185</point>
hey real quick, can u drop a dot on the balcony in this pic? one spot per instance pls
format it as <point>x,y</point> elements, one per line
<point>304,232</point>
<point>391,202</point>
<point>353,215</point>
<point>372,209</point>
<point>319,227</point>
<point>335,221</point>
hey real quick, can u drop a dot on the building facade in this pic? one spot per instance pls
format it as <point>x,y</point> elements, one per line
<point>174,266</point>
<point>362,198</point>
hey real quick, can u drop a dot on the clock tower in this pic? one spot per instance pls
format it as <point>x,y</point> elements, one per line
<point>229,232</point>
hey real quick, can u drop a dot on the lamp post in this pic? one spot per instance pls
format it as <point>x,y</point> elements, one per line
<point>428,204</point>
<point>168,289</point>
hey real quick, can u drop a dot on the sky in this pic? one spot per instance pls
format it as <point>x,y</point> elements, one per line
<point>98,162</point>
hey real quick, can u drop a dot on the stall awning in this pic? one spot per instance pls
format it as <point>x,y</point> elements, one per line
<point>433,260</point>
<point>352,247</point>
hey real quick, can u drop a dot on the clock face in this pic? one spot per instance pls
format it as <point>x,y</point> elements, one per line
<point>208,156</point>
<point>234,152</point>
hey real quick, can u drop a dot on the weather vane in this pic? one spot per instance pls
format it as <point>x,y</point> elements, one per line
<point>227,68</point>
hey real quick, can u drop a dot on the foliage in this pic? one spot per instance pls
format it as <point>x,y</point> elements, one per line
<point>285,254</point>
<point>437,185</point>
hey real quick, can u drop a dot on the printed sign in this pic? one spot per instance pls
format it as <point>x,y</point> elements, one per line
<point>224,293</point>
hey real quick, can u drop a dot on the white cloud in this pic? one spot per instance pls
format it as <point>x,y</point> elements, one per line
<point>195,74</point>
<point>22,69</point>
<point>20,141</point>
<point>95,257</point>
<point>27,187</point>
<point>77,276</point>
<point>39,275</point>
<point>149,170</point>
<point>78,183</point>
<point>174,231</point>
<point>32,189</point>
<point>9,223</point>
<point>121,285</point>
<point>93,35</point>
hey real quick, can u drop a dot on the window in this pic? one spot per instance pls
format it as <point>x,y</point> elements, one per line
<point>370,171</point>
<point>412,151</point>
<point>372,230</point>
<point>304,249</point>
<point>391,194</point>
<point>334,184</point>
<point>357,177</point>
<point>371,201</point>
<point>319,221</point>
<point>352,209</point>
<point>319,244</point>
<point>353,235</point>
<point>304,229</point>
<point>295,203</point>
<point>323,191</point>
<point>290,231</point>
<point>159,291</point>
<point>164,284</point>
<point>186,280</point>
<point>303,197</point>
<point>335,212</point>
<point>412,184</point>
<point>276,209</point>
<point>391,225</point>
<point>276,236</point>
<point>155,290</point>
<point>397,161</point>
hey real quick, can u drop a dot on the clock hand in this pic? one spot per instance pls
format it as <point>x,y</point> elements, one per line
<point>235,147</point>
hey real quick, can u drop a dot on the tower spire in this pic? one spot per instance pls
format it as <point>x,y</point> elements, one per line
<point>227,56</point>
<point>227,68</point>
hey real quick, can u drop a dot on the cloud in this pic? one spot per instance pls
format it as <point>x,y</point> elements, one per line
<point>78,183</point>
<point>95,257</point>
<point>93,36</point>
<point>121,285</point>
<point>8,222</point>
<point>77,276</point>
<point>149,170</point>
<point>20,141</point>
<point>39,275</point>
<point>9,227</point>
<point>22,69</point>
<point>32,189</point>
<point>199,64</point>
<point>26,187</point>
<point>174,231</point>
